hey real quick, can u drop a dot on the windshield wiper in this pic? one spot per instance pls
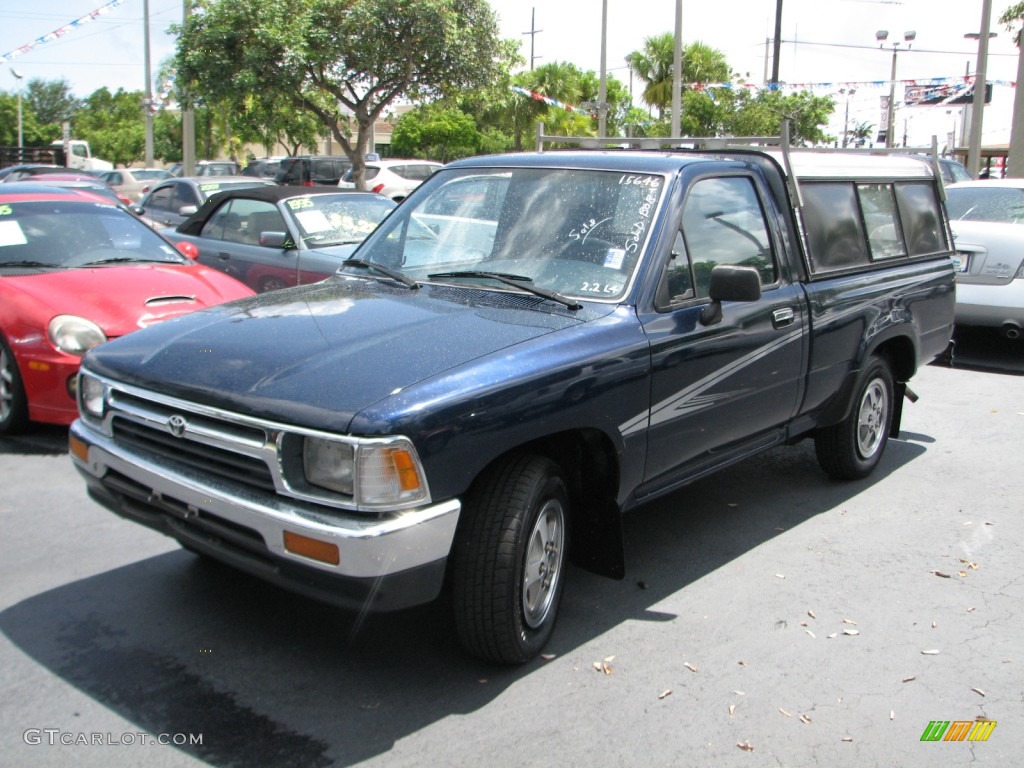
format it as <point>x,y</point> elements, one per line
<point>405,280</point>
<point>121,260</point>
<point>28,264</point>
<point>518,281</point>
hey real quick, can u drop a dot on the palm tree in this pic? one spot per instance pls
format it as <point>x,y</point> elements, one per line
<point>653,65</point>
<point>701,64</point>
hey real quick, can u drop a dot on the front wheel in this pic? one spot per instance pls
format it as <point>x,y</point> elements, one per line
<point>13,402</point>
<point>509,558</point>
<point>852,448</point>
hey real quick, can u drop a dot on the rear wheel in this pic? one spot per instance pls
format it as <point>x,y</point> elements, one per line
<point>852,448</point>
<point>509,559</point>
<point>13,402</point>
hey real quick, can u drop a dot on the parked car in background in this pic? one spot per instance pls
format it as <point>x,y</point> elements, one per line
<point>133,183</point>
<point>987,219</point>
<point>80,181</point>
<point>76,271</point>
<point>266,168</point>
<point>274,237</point>
<point>207,168</point>
<point>173,200</point>
<point>18,172</point>
<point>392,178</point>
<point>312,170</point>
<point>953,171</point>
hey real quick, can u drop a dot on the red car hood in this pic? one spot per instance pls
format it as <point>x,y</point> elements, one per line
<point>121,299</point>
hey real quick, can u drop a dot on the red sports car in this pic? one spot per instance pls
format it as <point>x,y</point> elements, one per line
<point>75,271</point>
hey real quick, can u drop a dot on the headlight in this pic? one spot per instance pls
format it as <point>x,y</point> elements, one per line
<point>375,475</point>
<point>74,335</point>
<point>91,395</point>
<point>329,464</point>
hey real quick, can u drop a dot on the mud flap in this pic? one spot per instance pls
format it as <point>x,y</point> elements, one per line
<point>597,542</point>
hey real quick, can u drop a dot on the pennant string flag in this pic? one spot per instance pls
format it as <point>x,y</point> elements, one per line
<point>58,33</point>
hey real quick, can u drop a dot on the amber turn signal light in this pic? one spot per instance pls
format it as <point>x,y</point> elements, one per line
<point>314,549</point>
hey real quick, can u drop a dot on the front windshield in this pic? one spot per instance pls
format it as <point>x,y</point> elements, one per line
<point>71,233</point>
<point>576,232</point>
<point>324,220</point>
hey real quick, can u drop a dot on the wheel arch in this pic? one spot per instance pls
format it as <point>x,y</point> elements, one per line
<point>899,350</point>
<point>591,469</point>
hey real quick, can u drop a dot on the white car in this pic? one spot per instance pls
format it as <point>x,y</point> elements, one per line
<point>392,178</point>
<point>133,183</point>
<point>987,219</point>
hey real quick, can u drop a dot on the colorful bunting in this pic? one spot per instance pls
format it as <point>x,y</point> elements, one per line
<point>7,57</point>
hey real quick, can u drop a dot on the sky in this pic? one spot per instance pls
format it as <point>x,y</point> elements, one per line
<point>828,45</point>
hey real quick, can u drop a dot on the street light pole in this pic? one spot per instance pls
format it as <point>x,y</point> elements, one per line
<point>890,124</point>
<point>848,92</point>
<point>21,137</point>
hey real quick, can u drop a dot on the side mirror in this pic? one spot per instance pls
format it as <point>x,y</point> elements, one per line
<point>730,283</point>
<point>188,249</point>
<point>187,210</point>
<point>273,239</point>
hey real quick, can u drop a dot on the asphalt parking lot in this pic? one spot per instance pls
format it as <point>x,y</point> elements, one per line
<point>770,617</point>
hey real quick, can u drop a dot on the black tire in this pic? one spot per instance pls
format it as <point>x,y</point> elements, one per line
<point>510,554</point>
<point>13,401</point>
<point>851,449</point>
<point>271,284</point>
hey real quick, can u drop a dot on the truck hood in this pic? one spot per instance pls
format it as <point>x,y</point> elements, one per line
<point>317,355</point>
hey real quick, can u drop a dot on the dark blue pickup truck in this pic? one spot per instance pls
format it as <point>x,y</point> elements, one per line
<point>529,346</point>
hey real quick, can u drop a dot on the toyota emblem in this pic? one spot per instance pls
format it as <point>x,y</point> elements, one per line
<point>177,425</point>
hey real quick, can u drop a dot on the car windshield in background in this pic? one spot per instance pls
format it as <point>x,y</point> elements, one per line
<point>977,203</point>
<point>324,220</point>
<point>574,232</point>
<point>68,234</point>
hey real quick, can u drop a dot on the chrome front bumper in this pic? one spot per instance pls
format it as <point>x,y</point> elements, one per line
<point>183,503</point>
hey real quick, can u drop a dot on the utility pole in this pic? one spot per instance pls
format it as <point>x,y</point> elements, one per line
<point>188,123</point>
<point>147,102</point>
<point>677,73</point>
<point>1015,157</point>
<point>777,43</point>
<point>532,33</point>
<point>602,92</point>
<point>980,88</point>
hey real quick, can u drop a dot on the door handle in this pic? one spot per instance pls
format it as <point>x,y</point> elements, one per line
<point>783,317</point>
<point>224,256</point>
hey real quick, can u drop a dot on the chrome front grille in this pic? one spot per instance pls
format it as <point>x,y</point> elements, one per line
<point>199,456</point>
<point>197,440</point>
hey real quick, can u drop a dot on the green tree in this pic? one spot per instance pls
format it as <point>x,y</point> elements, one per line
<point>653,65</point>
<point>33,135</point>
<point>700,64</point>
<point>52,103</point>
<point>761,112</point>
<point>860,134</point>
<point>438,132</point>
<point>343,61</point>
<point>114,125</point>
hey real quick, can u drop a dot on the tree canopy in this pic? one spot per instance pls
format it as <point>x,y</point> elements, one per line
<point>343,61</point>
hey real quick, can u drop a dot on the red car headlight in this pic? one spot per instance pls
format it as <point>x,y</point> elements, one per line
<point>74,335</point>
